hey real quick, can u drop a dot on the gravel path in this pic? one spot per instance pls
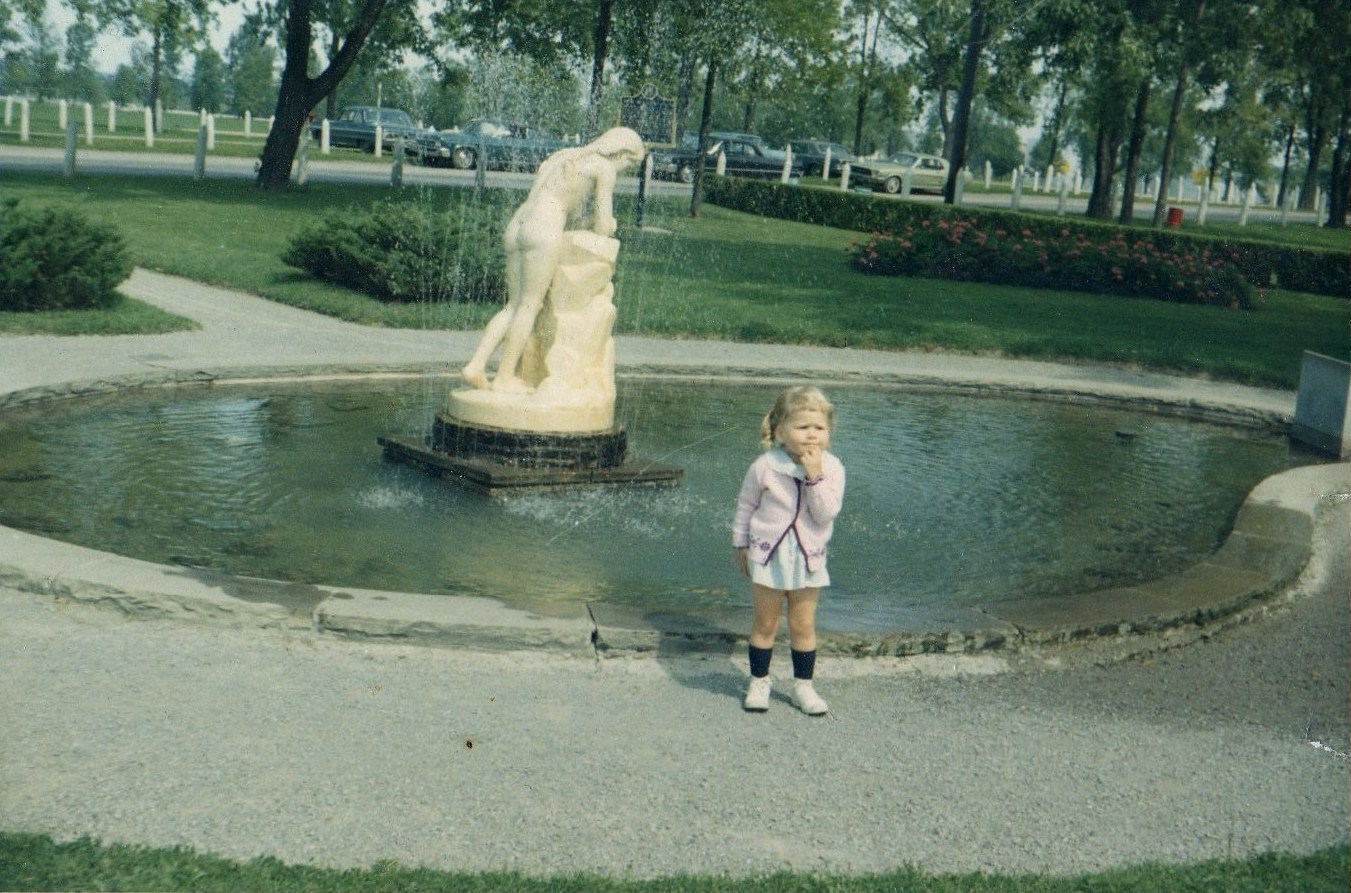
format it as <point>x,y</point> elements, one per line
<point>243,743</point>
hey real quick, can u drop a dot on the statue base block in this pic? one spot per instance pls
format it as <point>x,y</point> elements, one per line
<point>497,461</point>
<point>498,479</point>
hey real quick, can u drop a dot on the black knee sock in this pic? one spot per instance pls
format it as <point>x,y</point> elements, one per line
<point>804,663</point>
<point>760,661</point>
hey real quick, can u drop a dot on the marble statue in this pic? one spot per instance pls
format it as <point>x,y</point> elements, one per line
<point>556,369</point>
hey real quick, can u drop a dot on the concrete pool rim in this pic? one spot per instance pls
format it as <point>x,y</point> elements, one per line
<point>1268,547</point>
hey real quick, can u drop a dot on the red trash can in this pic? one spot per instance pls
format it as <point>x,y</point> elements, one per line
<point>1174,218</point>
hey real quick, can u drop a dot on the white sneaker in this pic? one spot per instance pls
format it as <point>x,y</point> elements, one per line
<point>757,695</point>
<point>807,700</point>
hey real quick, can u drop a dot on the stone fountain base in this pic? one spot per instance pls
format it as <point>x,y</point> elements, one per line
<point>495,461</point>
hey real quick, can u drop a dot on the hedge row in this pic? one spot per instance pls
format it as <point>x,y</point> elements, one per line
<point>400,253</point>
<point>1265,265</point>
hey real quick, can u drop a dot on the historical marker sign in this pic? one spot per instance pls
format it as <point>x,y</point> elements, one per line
<point>651,115</point>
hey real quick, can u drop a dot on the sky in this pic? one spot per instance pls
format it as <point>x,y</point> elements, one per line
<point>113,50</point>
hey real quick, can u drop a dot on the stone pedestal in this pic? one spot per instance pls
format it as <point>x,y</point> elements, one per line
<point>1323,405</point>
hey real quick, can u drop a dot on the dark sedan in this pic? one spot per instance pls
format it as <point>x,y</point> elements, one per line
<point>747,156</point>
<point>503,146</point>
<point>355,128</point>
<point>812,154</point>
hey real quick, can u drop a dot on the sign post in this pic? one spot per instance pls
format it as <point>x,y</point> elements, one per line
<point>654,120</point>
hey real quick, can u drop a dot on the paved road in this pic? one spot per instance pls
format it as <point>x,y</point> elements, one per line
<point>337,169</point>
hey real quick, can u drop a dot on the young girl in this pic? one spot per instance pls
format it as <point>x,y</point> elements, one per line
<point>785,513</point>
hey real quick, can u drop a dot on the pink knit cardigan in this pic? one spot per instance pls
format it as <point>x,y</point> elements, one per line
<point>776,499</point>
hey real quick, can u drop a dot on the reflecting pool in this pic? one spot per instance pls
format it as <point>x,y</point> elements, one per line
<point>951,498</point>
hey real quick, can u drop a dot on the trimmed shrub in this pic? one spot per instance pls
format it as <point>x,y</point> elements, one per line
<point>54,258</point>
<point>403,252</point>
<point>1262,264</point>
<point>1121,265</point>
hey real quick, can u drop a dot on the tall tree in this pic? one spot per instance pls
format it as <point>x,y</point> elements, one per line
<point>14,14</point>
<point>299,92</point>
<point>173,27</point>
<point>251,58</point>
<point>208,81</point>
<point>80,79</point>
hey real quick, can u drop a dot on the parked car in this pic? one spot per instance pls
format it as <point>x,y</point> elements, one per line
<point>927,172</point>
<point>505,146</point>
<point>812,154</point>
<point>355,129</point>
<point>747,156</point>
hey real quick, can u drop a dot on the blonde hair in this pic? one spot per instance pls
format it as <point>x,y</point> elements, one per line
<point>791,401</point>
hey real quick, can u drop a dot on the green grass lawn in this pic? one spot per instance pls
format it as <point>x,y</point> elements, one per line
<point>35,862</point>
<point>724,275</point>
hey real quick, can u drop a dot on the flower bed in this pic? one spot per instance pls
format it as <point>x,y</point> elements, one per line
<point>1118,264</point>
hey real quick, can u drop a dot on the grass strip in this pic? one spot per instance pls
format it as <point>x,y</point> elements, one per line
<point>725,276</point>
<point>37,863</point>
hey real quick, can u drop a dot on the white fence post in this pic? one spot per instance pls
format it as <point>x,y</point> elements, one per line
<point>199,159</point>
<point>112,116</point>
<point>787,164</point>
<point>989,172</point>
<point>302,168</point>
<point>149,128</point>
<point>845,170</point>
<point>9,110</point>
<point>1205,205</point>
<point>62,113</point>
<point>1017,188</point>
<point>376,150</point>
<point>825,165</point>
<point>721,167</point>
<point>1248,198</point>
<point>71,140</point>
<point>211,132</point>
<point>88,124</point>
<point>23,120</point>
<point>324,145</point>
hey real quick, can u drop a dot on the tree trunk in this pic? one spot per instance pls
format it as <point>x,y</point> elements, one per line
<point>1133,147</point>
<point>156,62</point>
<point>866,59</point>
<point>300,93</point>
<point>331,101</point>
<point>1318,138</point>
<point>684,88</point>
<point>1104,171</point>
<point>604,20</point>
<point>1339,193</point>
<point>1175,113</point>
<point>1285,165</point>
<point>1057,122</point>
<point>961,120</point>
<point>705,120</point>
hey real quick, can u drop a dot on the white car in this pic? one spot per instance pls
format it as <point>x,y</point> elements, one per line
<point>926,172</point>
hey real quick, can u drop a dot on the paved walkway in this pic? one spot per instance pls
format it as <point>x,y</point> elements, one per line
<point>259,733</point>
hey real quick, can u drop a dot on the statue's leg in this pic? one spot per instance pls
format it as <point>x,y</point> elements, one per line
<point>536,271</point>
<point>475,371</point>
